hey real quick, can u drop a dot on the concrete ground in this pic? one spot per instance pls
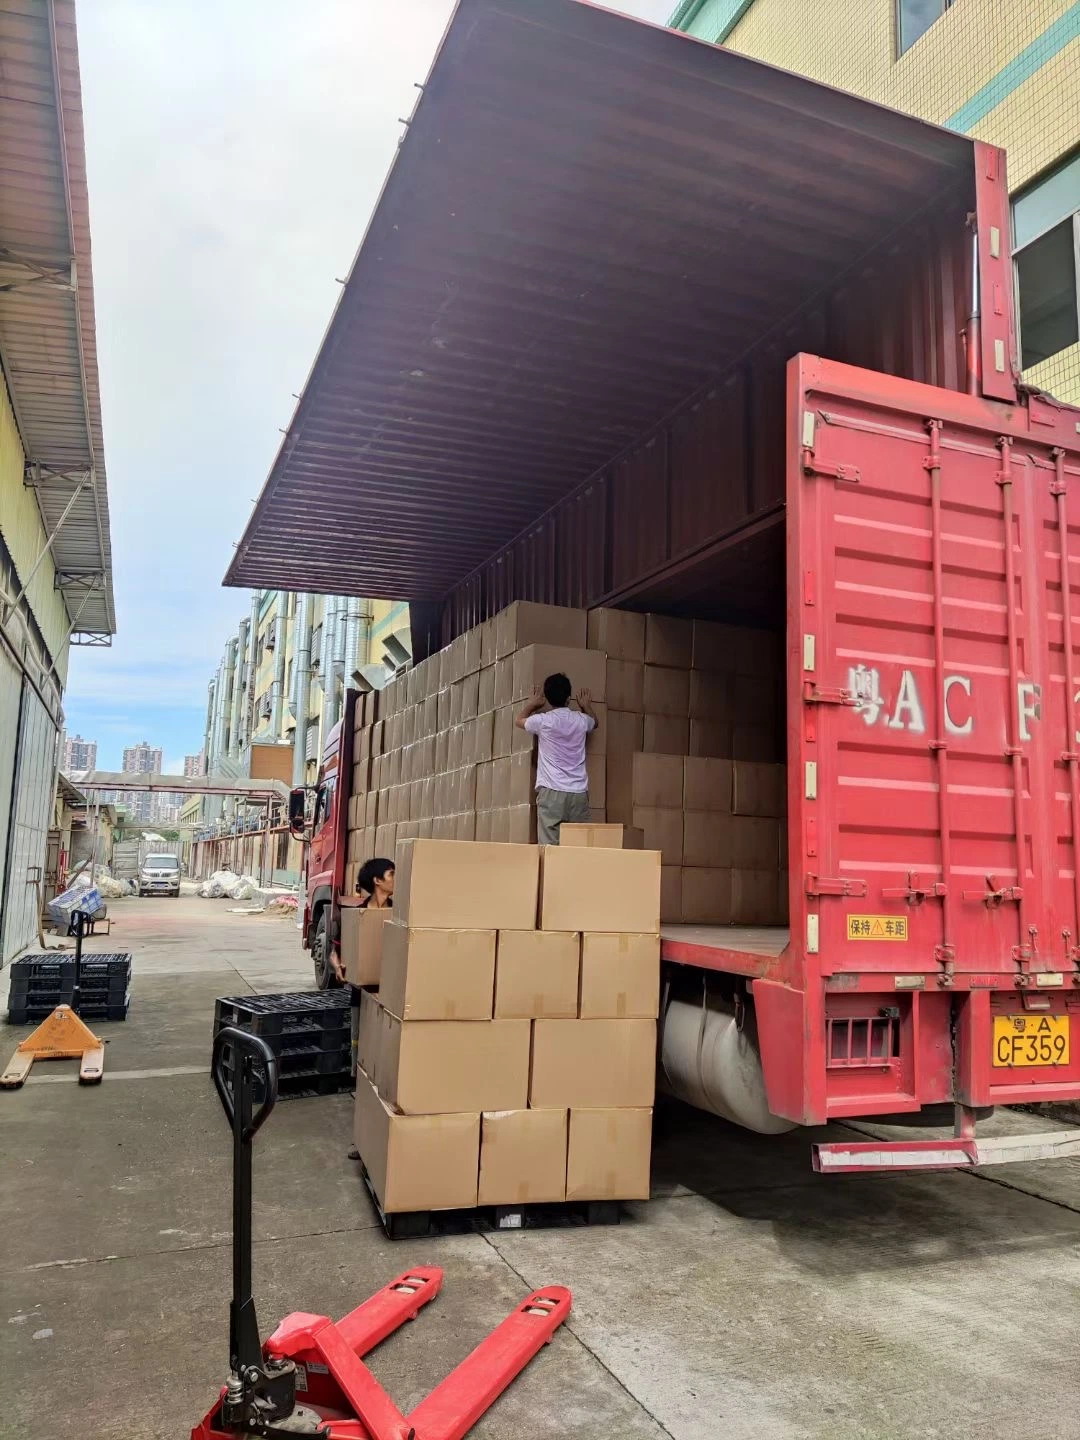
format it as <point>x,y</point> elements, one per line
<point>749,1298</point>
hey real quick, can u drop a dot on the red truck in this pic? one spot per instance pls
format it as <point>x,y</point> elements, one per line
<point>647,324</point>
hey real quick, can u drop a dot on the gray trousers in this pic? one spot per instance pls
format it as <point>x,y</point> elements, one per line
<point>555,806</point>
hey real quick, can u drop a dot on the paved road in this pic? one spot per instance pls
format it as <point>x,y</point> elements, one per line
<point>749,1300</point>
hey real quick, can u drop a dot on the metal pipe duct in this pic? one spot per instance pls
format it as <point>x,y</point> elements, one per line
<point>208,728</point>
<point>237,711</point>
<point>344,631</point>
<point>301,686</point>
<point>225,672</point>
<point>250,718</point>
<point>277,694</point>
<point>353,615</point>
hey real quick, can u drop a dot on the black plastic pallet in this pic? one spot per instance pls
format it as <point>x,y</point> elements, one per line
<point>302,1062</point>
<point>269,1015</point>
<point>64,986</point>
<point>304,1035</point>
<point>89,1009</point>
<point>298,1085</point>
<point>417,1224</point>
<point>63,964</point>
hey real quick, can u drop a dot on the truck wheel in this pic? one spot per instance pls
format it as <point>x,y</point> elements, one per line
<point>325,979</point>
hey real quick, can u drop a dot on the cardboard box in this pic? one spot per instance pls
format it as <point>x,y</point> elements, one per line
<point>522,1157</point>
<point>527,623</point>
<point>706,896</point>
<point>592,1064</point>
<point>715,646</point>
<point>758,789</point>
<point>586,670</point>
<point>367,1033</point>
<point>470,689</point>
<point>473,647</point>
<point>500,825</point>
<point>465,825</point>
<point>755,897</point>
<point>625,681</point>
<point>487,642</point>
<point>755,699</point>
<point>484,774</point>
<point>620,976</point>
<point>669,641</point>
<point>361,942</point>
<point>598,889</point>
<point>437,974</point>
<point>625,730</point>
<point>504,681</point>
<point>707,840</point>
<point>711,737</point>
<point>596,781</point>
<point>536,974</point>
<point>658,781</point>
<point>485,690</point>
<point>416,1162</point>
<point>521,783</point>
<point>619,779</point>
<point>756,742</point>
<point>711,696</point>
<point>438,1067</point>
<point>666,691</point>
<point>671,893</point>
<point>442,709</point>
<point>755,842</point>
<point>521,824</point>
<point>707,784</point>
<point>609,1154</point>
<point>663,831</point>
<point>667,734</point>
<point>471,886</point>
<point>619,633</point>
<point>593,837</point>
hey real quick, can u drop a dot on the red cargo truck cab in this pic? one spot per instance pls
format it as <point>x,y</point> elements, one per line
<point>327,842</point>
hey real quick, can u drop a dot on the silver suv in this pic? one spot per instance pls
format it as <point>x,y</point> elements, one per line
<point>159,875</point>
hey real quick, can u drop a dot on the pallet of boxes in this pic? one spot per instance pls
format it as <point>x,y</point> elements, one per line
<point>508,1059</point>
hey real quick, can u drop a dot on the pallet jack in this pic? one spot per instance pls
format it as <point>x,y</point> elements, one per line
<point>320,1360</point>
<point>62,1035</point>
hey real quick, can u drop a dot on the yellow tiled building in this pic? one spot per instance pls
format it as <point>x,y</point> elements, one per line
<point>1005,71</point>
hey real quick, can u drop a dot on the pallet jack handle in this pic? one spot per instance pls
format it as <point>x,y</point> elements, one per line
<point>245,1347</point>
<point>78,925</point>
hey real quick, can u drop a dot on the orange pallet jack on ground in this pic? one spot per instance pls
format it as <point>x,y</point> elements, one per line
<point>321,1361</point>
<point>62,1036</point>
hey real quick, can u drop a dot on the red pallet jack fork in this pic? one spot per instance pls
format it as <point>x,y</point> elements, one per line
<point>321,1360</point>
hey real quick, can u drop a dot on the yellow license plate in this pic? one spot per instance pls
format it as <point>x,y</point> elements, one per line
<point>1029,1040</point>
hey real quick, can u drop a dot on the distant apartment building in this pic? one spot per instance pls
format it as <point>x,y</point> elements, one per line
<point>194,765</point>
<point>79,755</point>
<point>142,759</point>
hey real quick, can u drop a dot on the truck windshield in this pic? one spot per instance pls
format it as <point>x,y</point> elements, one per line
<point>161,862</point>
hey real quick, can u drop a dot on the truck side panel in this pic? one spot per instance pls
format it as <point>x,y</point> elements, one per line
<point>933,801</point>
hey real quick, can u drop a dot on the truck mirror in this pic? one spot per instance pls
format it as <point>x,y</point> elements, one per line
<point>298,812</point>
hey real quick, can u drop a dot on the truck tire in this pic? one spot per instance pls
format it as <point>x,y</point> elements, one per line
<point>325,979</point>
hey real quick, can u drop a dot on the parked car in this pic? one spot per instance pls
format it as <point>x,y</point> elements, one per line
<point>159,875</point>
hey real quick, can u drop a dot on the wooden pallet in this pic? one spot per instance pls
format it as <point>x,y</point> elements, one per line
<point>416,1224</point>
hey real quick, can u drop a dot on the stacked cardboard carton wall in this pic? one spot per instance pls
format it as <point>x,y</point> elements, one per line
<point>437,754</point>
<point>695,731</point>
<point>509,1057</point>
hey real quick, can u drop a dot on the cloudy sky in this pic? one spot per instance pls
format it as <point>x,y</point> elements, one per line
<point>234,153</point>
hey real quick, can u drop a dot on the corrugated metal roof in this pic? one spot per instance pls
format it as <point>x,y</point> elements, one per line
<point>47,341</point>
<point>587,220</point>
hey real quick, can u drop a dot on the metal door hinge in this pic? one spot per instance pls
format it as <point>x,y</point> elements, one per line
<point>817,885</point>
<point>848,474</point>
<point>994,894</point>
<point>822,695</point>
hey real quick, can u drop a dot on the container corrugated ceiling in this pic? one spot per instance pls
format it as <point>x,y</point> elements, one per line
<point>47,342</point>
<point>588,218</point>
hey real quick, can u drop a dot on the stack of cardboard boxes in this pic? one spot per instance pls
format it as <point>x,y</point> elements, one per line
<point>509,1056</point>
<point>437,754</point>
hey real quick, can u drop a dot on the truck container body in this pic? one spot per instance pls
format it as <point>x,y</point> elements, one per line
<point>639,322</point>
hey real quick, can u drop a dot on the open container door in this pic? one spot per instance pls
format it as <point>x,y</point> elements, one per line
<point>932,750</point>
